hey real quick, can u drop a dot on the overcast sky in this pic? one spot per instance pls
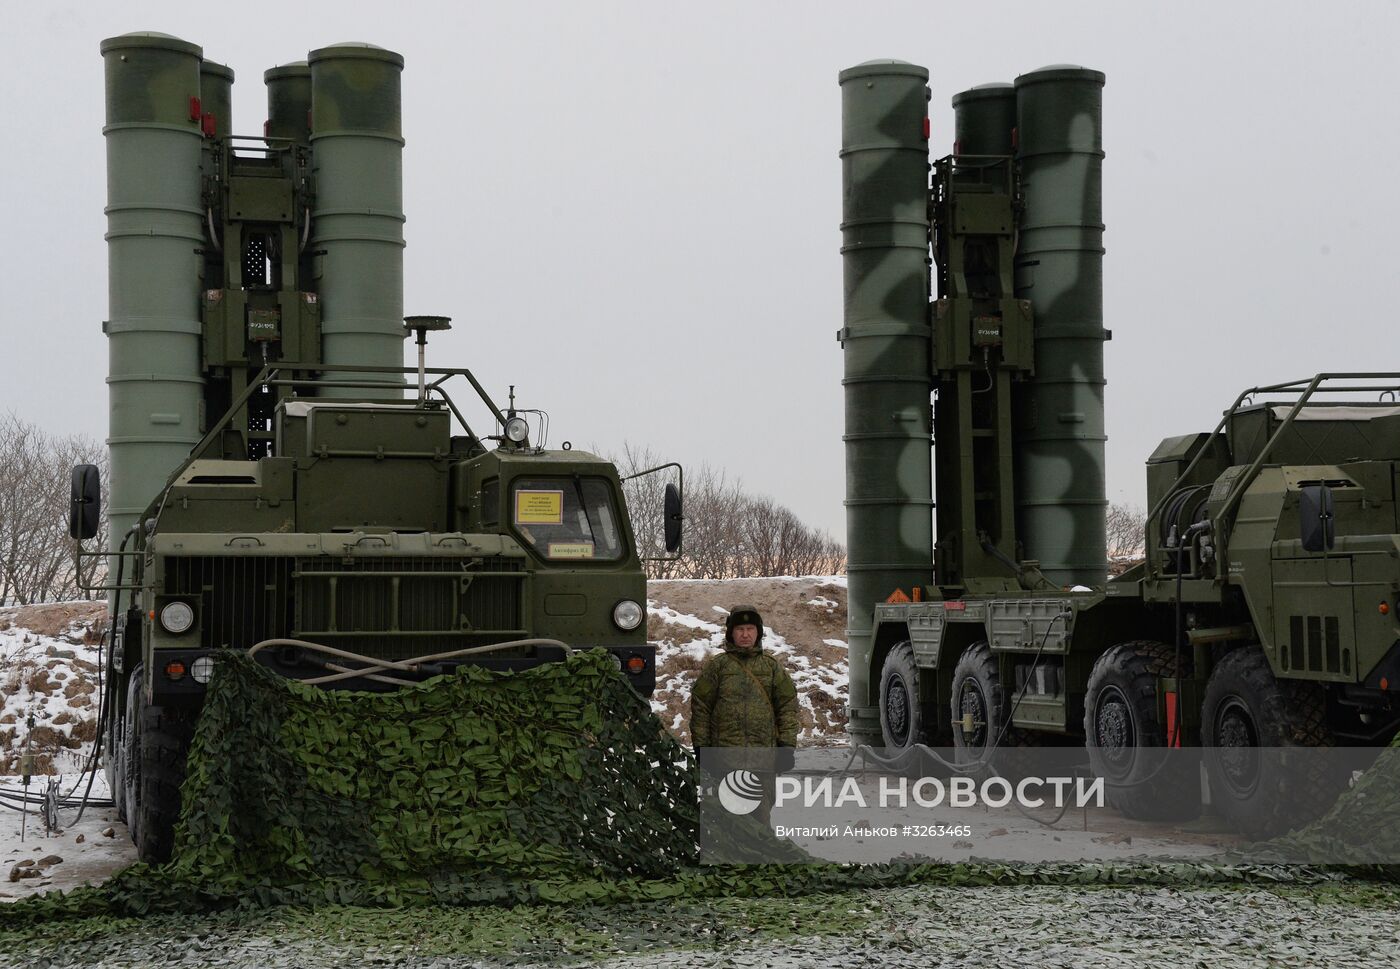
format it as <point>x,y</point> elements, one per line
<point>631,209</point>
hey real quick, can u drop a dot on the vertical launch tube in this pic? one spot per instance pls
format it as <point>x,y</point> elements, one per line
<point>886,344</point>
<point>357,220</point>
<point>983,118</point>
<point>1060,490</point>
<point>155,228</point>
<point>216,96</point>
<point>289,102</point>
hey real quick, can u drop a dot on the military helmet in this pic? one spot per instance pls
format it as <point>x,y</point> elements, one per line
<point>740,616</point>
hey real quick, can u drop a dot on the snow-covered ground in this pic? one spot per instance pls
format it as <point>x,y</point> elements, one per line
<point>49,663</point>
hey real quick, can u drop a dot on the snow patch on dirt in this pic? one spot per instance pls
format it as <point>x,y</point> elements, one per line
<point>49,661</point>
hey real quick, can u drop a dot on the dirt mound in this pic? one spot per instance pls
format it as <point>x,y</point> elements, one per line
<point>59,620</point>
<point>807,610</point>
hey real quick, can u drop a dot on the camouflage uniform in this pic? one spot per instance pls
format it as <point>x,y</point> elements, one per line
<point>743,697</point>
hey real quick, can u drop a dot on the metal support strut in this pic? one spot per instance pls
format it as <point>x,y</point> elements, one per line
<point>405,665</point>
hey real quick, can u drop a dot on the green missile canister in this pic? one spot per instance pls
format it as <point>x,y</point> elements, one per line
<point>357,219</point>
<point>1060,492</point>
<point>886,344</point>
<point>216,98</point>
<point>983,119</point>
<point>216,101</point>
<point>289,102</point>
<point>155,230</point>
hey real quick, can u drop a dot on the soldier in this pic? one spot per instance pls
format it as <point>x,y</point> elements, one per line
<point>745,698</point>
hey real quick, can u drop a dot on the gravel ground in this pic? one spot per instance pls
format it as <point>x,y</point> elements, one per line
<point>920,926</point>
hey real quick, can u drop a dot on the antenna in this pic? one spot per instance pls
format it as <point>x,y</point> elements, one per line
<point>419,326</point>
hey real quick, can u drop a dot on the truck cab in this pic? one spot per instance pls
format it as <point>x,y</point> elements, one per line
<point>371,529</point>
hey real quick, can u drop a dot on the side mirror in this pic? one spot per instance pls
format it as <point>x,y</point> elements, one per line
<point>85,509</point>
<point>672,517</point>
<point>1316,524</point>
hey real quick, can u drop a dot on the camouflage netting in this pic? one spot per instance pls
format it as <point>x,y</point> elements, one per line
<point>552,785</point>
<point>559,770</point>
<point>1355,830</point>
<point>466,788</point>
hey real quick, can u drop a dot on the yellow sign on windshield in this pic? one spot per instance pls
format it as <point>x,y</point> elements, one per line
<point>539,507</point>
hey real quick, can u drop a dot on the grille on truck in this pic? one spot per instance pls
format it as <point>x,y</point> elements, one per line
<point>387,607</point>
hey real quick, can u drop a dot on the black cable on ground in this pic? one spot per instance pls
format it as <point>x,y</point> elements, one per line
<point>17,796</point>
<point>897,762</point>
<point>103,707</point>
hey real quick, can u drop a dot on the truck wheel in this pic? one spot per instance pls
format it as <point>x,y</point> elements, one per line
<point>164,747</point>
<point>1266,792</point>
<point>1127,740</point>
<point>904,720</point>
<point>980,707</point>
<point>129,766</point>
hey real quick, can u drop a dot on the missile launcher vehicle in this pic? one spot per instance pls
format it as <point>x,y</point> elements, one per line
<point>1265,614</point>
<point>278,483</point>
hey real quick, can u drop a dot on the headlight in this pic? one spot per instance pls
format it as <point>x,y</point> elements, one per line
<point>627,614</point>
<point>202,668</point>
<point>517,430</point>
<point>177,617</point>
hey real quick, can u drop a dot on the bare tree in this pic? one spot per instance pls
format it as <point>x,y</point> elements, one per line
<point>776,542</point>
<point>713,539</point>
<point>645,497</point>
<point>39,562</point>
<point>1126,536</point>
<point>728,532</point>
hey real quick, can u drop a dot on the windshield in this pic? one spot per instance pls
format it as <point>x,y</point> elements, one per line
<point>571,517</point>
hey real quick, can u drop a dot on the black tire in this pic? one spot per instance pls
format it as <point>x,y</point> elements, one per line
<point>129,764</point>
<point>904,719</point>
<point>1267,792</point>
<point>1126,736</point>
<point>165,746</point>
<point>979,699</point>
